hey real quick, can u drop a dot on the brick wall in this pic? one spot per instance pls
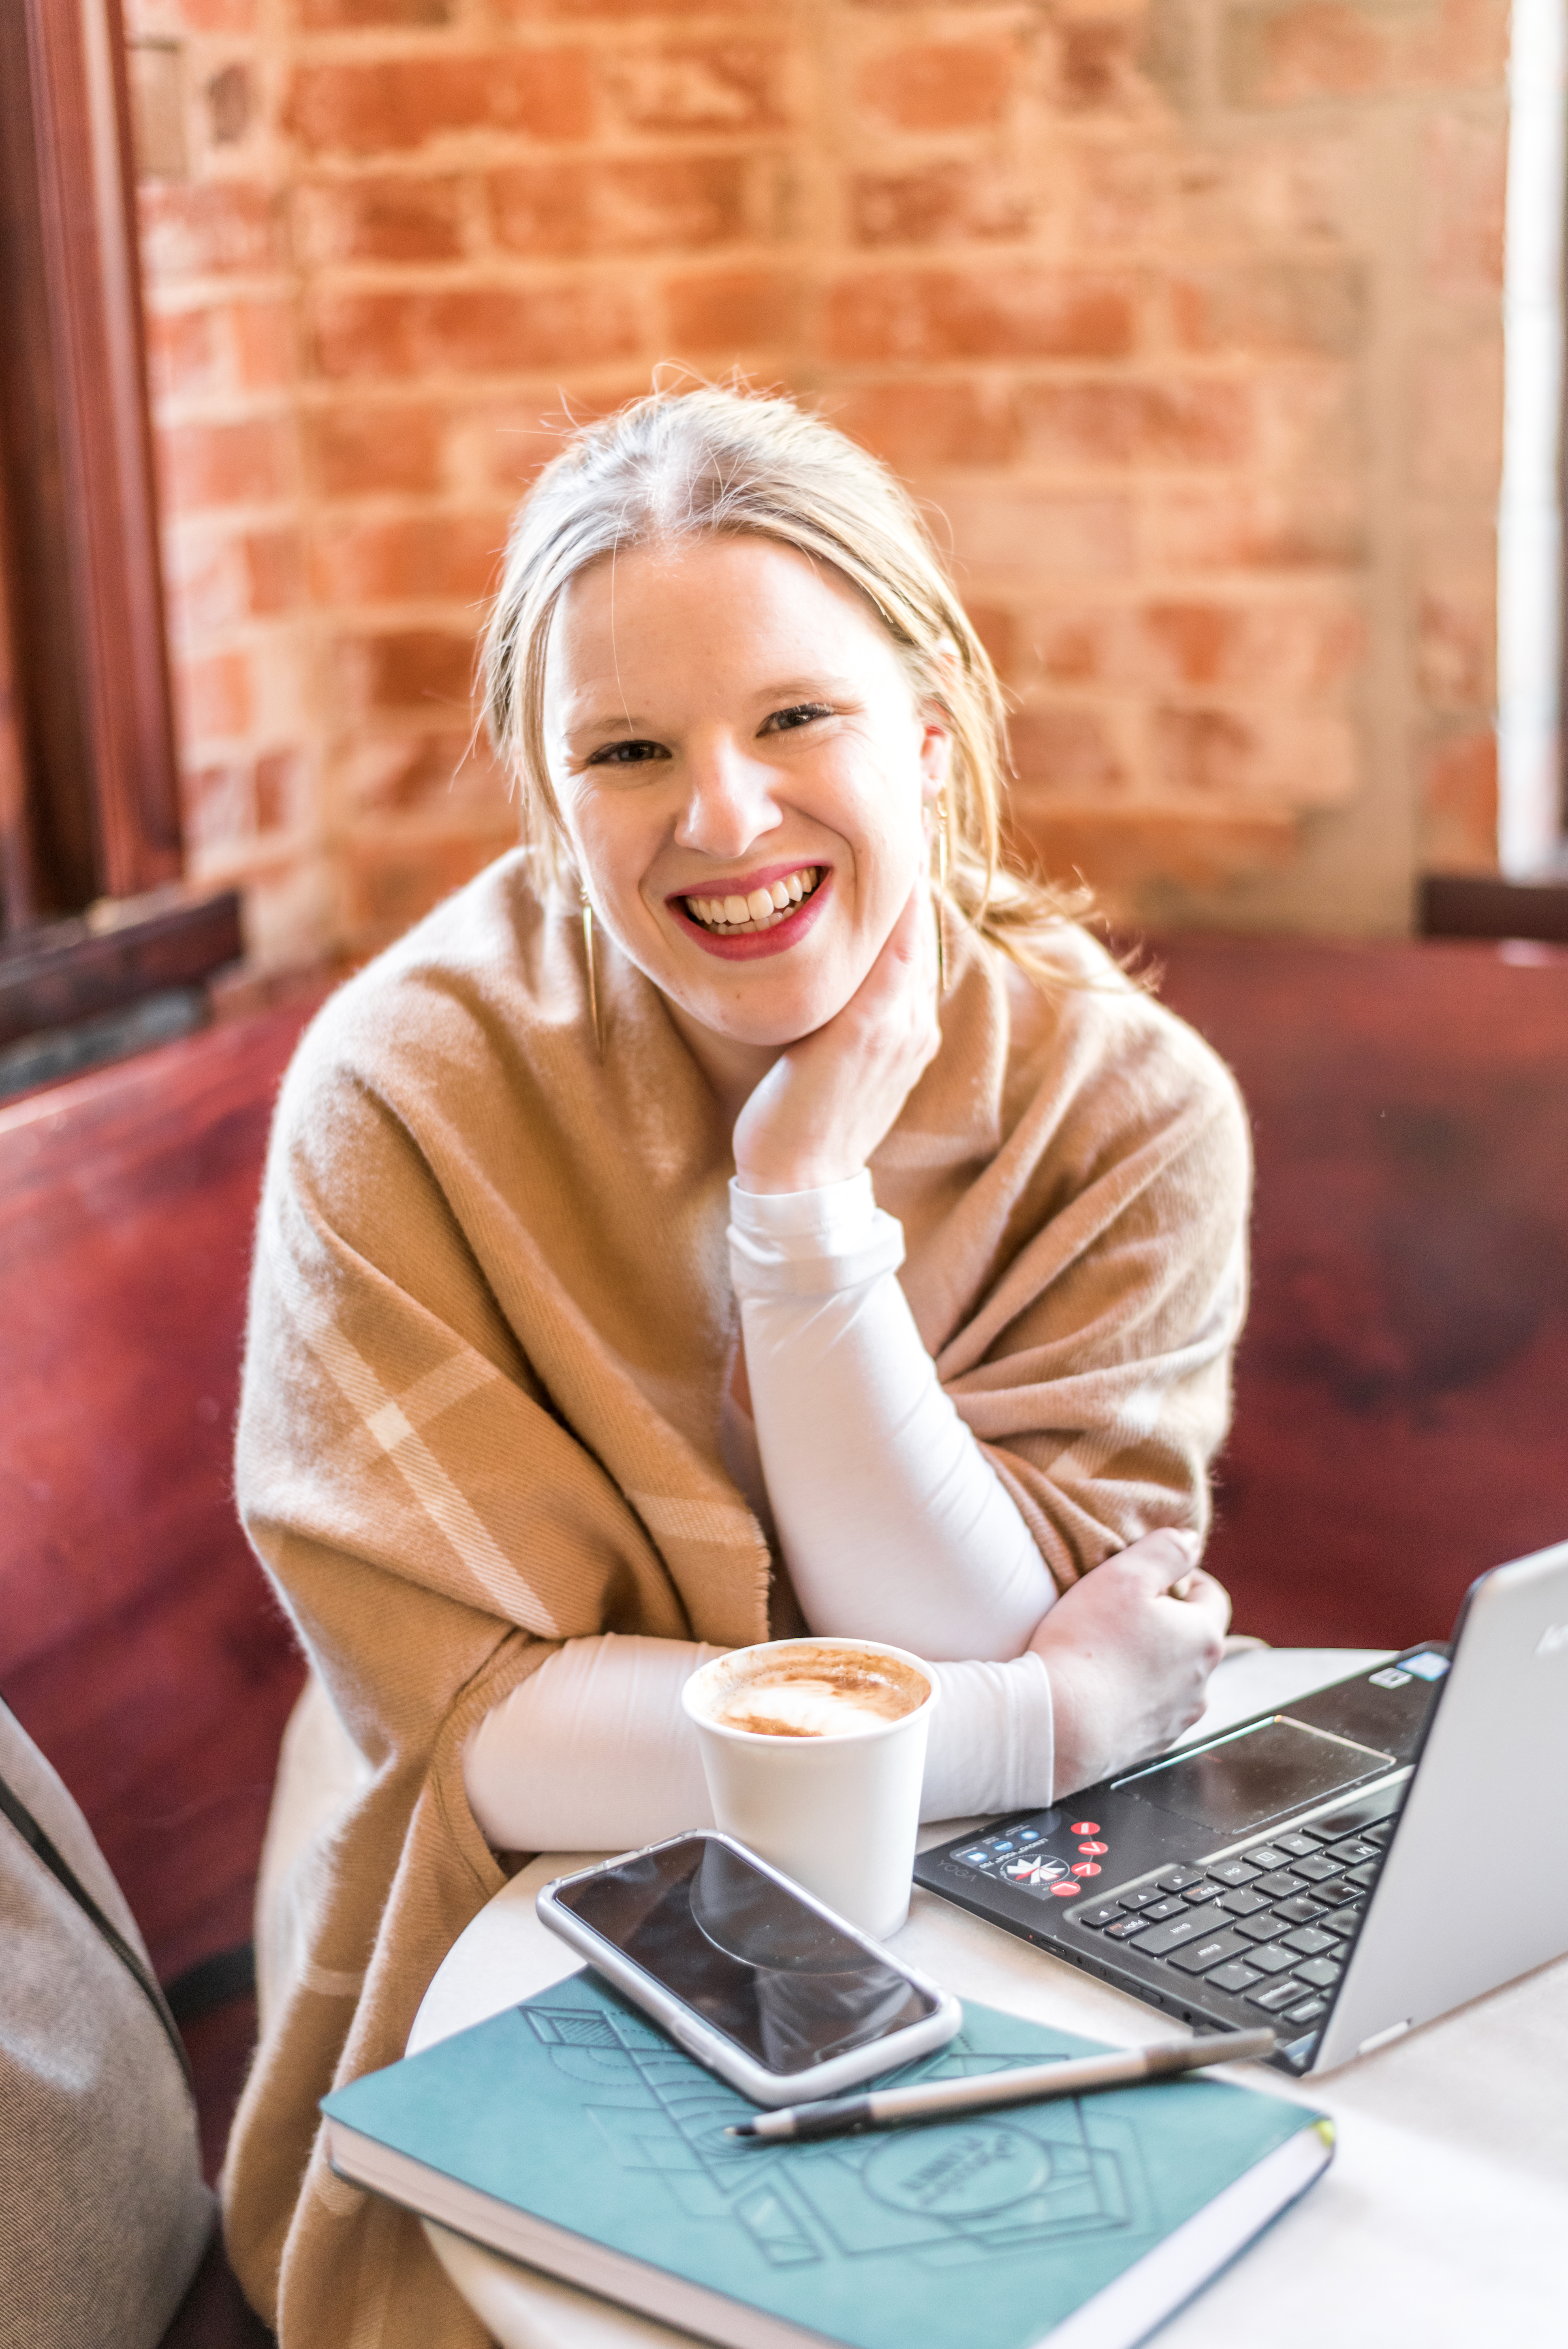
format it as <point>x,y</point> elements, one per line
<point>1183,314</point>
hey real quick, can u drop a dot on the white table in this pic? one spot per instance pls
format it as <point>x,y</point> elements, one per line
<point>1443,2224</point>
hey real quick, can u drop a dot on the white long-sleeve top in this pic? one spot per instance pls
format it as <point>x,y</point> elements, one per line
<point>892,1521</point>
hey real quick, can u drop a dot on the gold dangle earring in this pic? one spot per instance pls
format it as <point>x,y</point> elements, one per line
<point>941,894</point>
<point>593,984</point>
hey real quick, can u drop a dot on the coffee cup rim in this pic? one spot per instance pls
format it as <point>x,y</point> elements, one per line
<point>826,1737</point>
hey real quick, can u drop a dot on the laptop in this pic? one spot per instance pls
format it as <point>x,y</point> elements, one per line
<point>1359,1861</point>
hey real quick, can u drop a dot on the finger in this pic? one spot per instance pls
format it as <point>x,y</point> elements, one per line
<point>1207,1597</point>
<point>1165,1557</point>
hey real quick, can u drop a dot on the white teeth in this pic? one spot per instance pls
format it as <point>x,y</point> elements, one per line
<point>761,909</point>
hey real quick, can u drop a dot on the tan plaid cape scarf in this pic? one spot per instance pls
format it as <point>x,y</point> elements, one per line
<point>490,1324</point>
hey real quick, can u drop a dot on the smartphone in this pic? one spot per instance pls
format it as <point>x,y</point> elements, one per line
<point>746,1971</point>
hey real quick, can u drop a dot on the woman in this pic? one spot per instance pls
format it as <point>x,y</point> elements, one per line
<point>745,1207</point>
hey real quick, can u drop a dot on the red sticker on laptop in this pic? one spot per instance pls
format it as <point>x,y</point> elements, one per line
<point>1094,1850</point>
<point>1065,1891</point>
<point>1085,1867</point>
<point>1084,1827</point>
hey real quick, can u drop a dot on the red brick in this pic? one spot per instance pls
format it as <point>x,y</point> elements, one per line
<point>1097,65</point>
<point>1298,759</point>
<point>181,353</point>
<point>994,313</point>
<point>1459,805</point>
<point>1456,651</point>
<point>144,19</point>
<point>938,204</point>
<point>1116,848</point>
<point>732,310</point>
<point>1284,649</point>
<point>414,669</point>
<point>730,86</point>
<point>414,558</point>
<point>1458,45</point>
<point>214,697</point>
<point>446,773</point>
<point>395,104</point>
<point>229,98</point>
<point>354,451</point>
<point>274,567</point>
<point>1317,306</point>
<point>193,231</point>
<point>1032,533</point>
<point>1318,48</point>
<point>218,806</point>
<point>913,425</point>
<point>394,882</point>
<point>1065,748</point>
<point>1117,423</point>
<point>282,790</point>
<point>666,203</point>
<point>939,85</point>
<point>384,219</point>
<point>351,16</point>
<point>478,330</point>
<point>205,583</point>
<point>250,463</point>
<point>220,346</point>
<point>1081,645</point>
<point>1264,525</point>
<point>1464,178</point>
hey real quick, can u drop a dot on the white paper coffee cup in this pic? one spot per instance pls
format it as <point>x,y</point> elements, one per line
<point>838,1813</point>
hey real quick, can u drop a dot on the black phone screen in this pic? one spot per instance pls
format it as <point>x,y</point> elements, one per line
<point>779,1980</point>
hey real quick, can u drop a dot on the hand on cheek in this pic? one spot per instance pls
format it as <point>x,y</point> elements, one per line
<point>829,1100</point>
<point>1129,1660</point>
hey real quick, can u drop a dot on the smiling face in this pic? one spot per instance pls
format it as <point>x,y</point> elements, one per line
<point>744,777</point>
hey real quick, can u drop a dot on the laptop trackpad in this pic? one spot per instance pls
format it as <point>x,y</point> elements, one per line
<point>1256,1773</point>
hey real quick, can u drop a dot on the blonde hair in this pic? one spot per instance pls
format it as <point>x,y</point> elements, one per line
<point>683,464</point>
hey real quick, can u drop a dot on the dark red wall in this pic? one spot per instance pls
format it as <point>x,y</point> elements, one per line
<point>1402,1392</point>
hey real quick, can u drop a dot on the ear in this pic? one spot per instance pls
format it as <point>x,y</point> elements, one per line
<point>936,738</point>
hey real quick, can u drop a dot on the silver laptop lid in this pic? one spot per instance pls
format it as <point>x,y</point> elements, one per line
<point>1489,1799</point>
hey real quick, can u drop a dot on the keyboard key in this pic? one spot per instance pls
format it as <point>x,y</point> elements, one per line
<point>1276,1997</point>
<point>1300,1841</point>
<point>1299,1911</point>
<point>1160,1940</point>
<point>1353,1849</point>
<point>1243,1901</point>
<point>1274,1958</point>
<point>1339,1924</point>
<point>1363,1877</point>
<point>1259,1928</point>
<point>1268,1855</point>
<point>1236,1977</point>
<point>1234,1871</point>
<point>1311,1941</point>
<point>1315,1866</point>
<point>1140,1898</point>
<point>1308,2014</point>
<point>1159,1910</point>
<point>1279,1885</point>
<point>1213,1950</point>
<point>1334,1892</point>
<point>1378,1833</point>
<point>1177,1879</point>
<point>1202,1890</point>
<point>1095,1918</point>
<point>1322,1973</point>
<point>1125,1928</point>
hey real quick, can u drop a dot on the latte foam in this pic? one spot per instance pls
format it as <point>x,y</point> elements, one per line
<point>818,1692</point>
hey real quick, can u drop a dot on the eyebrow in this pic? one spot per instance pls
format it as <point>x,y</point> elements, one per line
<point>784,690</point>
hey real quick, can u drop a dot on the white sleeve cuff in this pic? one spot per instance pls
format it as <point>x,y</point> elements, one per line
<point>992,1740</point>
<point>811,1243</point>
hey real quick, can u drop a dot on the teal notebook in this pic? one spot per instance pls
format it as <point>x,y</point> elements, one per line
<point>570,2133</point>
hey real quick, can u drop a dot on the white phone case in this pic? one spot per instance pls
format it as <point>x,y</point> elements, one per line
<point>713,2048</point>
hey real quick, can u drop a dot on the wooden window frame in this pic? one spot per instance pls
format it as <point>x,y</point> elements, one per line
<point>89,793</point>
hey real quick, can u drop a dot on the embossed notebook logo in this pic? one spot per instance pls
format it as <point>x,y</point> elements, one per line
<point>1553,1641</point>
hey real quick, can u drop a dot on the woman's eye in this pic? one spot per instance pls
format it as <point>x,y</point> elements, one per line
<point>626,754</point>
<point>785,720</point>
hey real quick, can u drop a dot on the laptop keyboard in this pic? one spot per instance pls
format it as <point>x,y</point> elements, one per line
<point>1268,1924</point>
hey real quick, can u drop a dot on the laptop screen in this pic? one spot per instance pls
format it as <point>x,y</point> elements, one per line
<point>1257,1774</point>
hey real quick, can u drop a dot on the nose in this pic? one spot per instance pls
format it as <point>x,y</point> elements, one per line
<point>730,801</point>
